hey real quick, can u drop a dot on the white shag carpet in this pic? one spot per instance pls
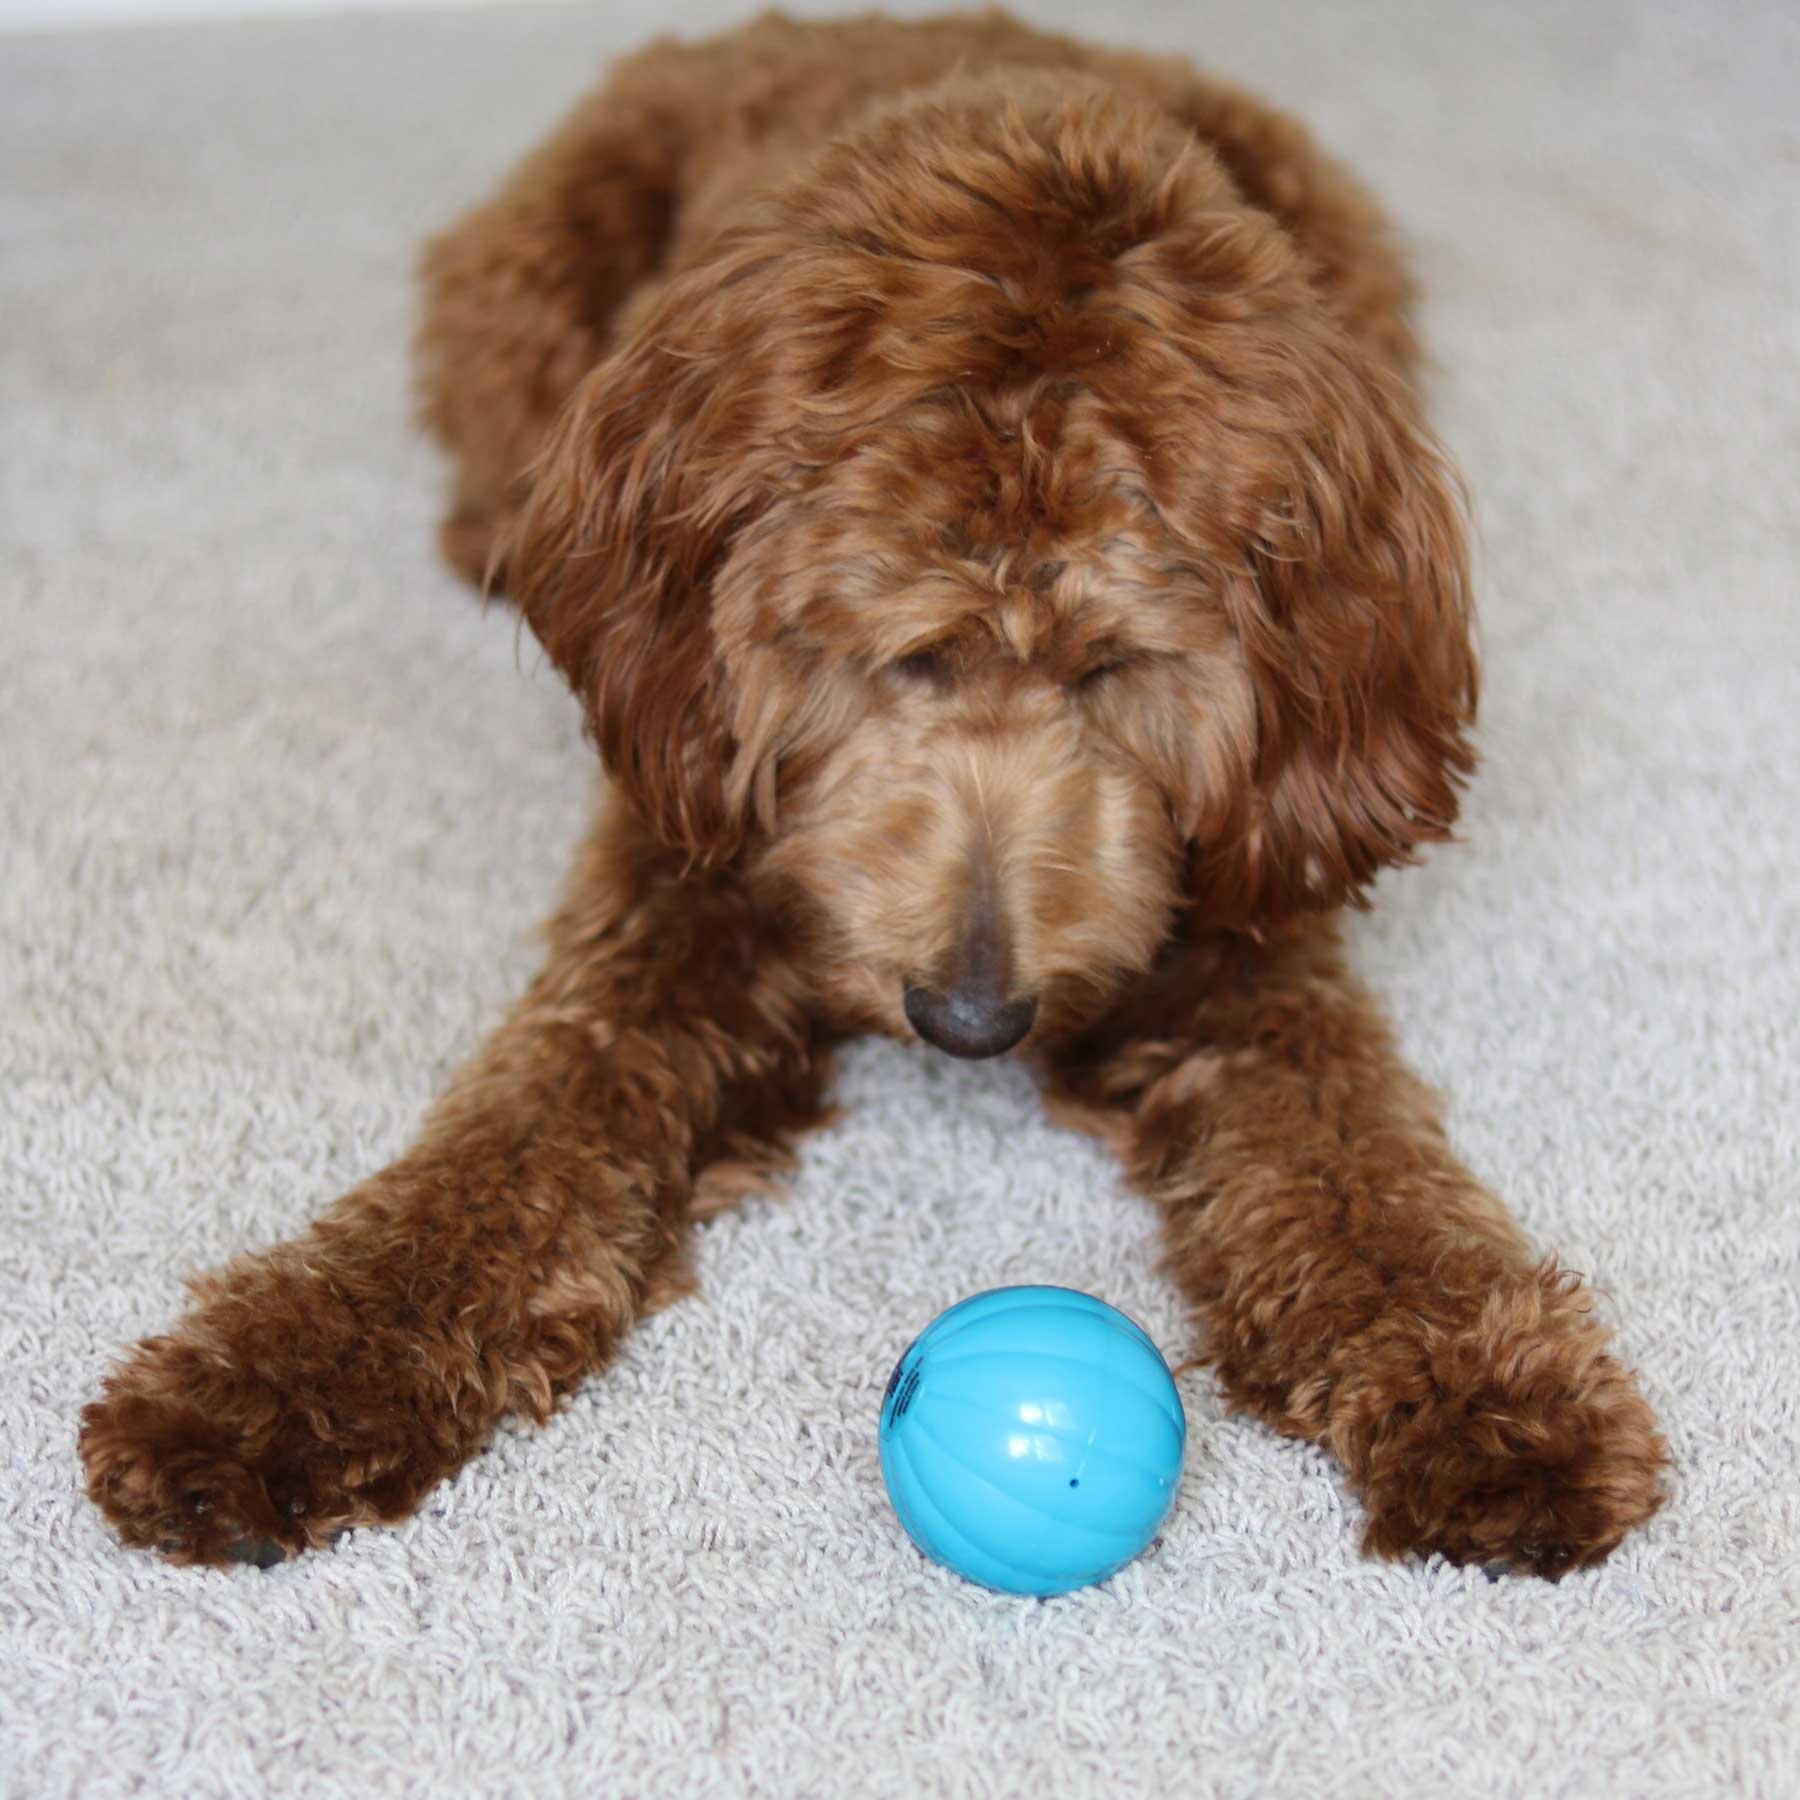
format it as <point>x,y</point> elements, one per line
<point>279,807</point>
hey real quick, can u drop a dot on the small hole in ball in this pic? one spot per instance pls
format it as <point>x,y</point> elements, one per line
<point>1074,1481</point>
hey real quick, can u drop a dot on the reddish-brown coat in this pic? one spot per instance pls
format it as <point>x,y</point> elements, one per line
<point>973,484</point>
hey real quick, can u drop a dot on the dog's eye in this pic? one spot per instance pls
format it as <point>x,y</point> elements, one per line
<point>1101,673</point>
<point>922,665</point>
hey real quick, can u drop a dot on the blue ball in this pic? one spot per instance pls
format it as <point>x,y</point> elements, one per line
<point>1031,1439</point>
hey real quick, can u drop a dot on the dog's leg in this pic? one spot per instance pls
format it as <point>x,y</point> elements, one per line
<point>660,1062</point>
<point>1356,1285</point>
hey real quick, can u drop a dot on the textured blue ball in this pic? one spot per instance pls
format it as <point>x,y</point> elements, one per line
<point>1031,1439</point>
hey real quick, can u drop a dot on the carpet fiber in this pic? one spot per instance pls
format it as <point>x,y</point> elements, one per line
<point>279,806</point>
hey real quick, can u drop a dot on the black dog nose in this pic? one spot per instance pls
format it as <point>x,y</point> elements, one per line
<point>967,1022</point>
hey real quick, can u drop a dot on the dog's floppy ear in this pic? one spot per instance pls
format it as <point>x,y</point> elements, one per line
<point>656,463</point>
<point>1353,613</point>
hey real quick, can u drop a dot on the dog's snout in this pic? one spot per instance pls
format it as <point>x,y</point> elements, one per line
<point>969,1021</point>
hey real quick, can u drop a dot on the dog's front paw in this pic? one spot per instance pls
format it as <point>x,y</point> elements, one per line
<point>1515,1443</point>
<point>271,1421</point>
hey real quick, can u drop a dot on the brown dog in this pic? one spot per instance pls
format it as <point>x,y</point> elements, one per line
<point>973,484</point>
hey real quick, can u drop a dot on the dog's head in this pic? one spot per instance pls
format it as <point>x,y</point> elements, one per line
<point>998,542</point>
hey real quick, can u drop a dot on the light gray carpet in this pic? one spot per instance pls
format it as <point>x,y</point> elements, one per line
<point>280,807</point>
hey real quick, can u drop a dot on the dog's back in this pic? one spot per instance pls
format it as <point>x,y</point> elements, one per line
<point>528,292</point>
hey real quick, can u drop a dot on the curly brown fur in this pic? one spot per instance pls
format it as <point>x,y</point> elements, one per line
<point>973,484</point>
<point>1357,1287</point>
